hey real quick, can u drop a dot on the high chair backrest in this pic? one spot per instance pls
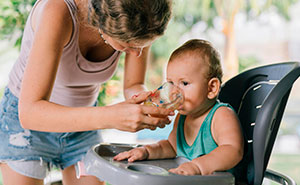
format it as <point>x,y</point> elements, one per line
<point>259,97</point>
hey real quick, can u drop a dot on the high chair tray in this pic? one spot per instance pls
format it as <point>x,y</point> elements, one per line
<point>99,162</point>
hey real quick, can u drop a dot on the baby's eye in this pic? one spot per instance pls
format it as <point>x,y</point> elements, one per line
<point>185,83</point>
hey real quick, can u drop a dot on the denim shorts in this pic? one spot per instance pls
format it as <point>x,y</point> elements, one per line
<point>24,149</point>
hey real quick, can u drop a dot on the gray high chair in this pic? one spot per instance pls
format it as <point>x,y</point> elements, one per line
<point>259,97</point>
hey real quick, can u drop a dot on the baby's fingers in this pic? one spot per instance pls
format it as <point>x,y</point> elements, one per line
<point>133,158</point>
<point>173,170</point>
<point>177,171</point>
<point>122,156</point>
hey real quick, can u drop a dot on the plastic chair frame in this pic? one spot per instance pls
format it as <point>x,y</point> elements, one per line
<point>268,116</point>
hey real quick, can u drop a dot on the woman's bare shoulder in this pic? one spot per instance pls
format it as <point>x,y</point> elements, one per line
<point>53,17</point>
<point>52,10</point>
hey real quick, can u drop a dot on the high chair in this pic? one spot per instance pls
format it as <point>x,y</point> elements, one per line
<point>259,97</point>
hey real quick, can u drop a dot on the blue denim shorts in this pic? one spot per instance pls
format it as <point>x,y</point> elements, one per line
<point>38,150</point>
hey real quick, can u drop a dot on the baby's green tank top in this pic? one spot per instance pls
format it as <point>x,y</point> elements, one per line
<point>204,142</point>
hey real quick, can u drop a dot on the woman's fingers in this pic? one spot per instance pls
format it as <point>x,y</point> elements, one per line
<point>153,122</point>
<point>139,98</point>
<point>157,111</point>
<point>153,117</point>
<point>135,117</point>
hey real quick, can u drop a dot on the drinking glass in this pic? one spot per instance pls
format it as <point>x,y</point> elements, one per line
<point>167,96</point>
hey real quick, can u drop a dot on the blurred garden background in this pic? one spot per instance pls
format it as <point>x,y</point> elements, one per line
<point>247,33</point>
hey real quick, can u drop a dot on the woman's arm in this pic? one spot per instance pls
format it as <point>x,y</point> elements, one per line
<point>52,32</point>
<point>134,74</point>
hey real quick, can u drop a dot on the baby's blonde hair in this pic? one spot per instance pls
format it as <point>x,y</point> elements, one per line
<point>206,52</point>
<point>130,20</point>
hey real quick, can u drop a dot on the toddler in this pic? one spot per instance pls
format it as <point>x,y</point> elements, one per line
<point>206,131</point>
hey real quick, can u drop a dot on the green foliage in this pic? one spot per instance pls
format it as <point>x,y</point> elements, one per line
<point>288,164</point>
<point>1,92</point>
<point>283,7</point>
<point>194,11</point>
<point>104,96</point>
<point>185,15</point>
<point>254,8</point>
<point>15,12</point>
<point>247,62</point>
<point>13,17</point>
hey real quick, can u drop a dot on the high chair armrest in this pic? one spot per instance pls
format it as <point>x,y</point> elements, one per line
<point>279,178</point>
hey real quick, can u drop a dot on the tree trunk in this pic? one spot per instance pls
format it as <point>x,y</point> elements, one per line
<point>227,10</point>
<point>231,63</point>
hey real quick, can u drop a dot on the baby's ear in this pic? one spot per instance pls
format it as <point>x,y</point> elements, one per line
<point>213,88</point>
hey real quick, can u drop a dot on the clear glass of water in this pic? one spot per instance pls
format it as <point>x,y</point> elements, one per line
<point>167,96</point>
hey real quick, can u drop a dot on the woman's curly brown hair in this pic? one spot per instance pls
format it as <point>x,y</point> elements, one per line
<point>130,20</point>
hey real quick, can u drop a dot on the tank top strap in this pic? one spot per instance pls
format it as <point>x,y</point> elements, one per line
<point>73,12</point>
<point>72,6</point>
<point>214,109</point>
<point>181,146</point>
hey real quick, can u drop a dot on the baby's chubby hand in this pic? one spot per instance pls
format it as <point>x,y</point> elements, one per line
<point>139,153</point>
<point>188,168</point>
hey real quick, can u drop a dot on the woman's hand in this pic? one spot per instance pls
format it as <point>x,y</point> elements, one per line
<point>188,168</point>
<point>139,153</point>
<point>132,116</point>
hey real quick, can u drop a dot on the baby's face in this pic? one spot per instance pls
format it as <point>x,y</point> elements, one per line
<point>190,75</point>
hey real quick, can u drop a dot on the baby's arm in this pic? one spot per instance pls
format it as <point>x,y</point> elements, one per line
<point>228,136</point>
<point>160,150</point>
<point>227,133</point>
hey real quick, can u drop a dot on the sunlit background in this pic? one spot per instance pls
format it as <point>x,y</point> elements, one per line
<point>247,34</point>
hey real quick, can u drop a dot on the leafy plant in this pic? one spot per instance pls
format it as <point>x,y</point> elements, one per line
<point>246,62</point>
<point>13,17</point>
<point>185,15</point>
<point>112,88</point>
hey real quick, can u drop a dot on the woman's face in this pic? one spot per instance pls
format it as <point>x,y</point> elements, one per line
<point>190,75</point>
<point>135,49</point>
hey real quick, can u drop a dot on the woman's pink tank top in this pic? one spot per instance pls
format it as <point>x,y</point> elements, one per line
<point>77,80</point>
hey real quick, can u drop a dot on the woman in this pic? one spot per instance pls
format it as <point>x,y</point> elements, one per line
<point>70,47</point>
